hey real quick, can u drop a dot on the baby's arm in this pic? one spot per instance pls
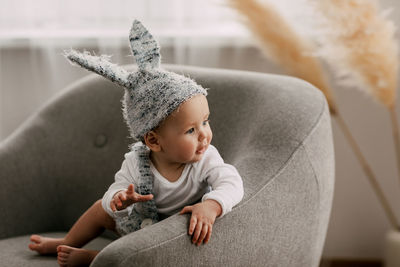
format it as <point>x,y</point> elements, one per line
<point>202,220</point>
<point>125,198</point>
<point>227,191</point>
<point>123,179</point>
<point>227,187</point>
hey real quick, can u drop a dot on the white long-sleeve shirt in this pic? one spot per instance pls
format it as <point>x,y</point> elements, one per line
<point>195,183</point>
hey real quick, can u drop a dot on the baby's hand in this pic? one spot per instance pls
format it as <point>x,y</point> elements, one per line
<point>125,198</point>
<point>202,220</point>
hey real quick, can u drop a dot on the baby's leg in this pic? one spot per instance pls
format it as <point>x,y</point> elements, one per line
<point>90,225</point>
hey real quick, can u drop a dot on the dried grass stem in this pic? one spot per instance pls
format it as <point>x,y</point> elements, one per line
<point>368,171</point>
<point>396,138</point>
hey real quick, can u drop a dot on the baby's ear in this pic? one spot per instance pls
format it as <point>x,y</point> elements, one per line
<point>151,139</point>
<point>100,65</point>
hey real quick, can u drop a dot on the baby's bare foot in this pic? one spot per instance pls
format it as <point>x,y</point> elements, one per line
<point>69,256</point>
<point>45,245</point>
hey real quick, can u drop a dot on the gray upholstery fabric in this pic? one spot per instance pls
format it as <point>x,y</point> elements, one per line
<point>14,251</point>
<point>274,129</point>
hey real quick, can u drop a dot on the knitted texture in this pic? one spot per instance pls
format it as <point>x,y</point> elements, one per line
<point>151,93</point>
<point>141,210</point>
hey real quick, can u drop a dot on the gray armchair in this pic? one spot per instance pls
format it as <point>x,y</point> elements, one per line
<point>275,129</point>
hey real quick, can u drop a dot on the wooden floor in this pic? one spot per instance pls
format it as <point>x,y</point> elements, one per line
<point>350,263</point>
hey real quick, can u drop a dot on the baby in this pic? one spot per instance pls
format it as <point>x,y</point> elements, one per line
<point>169,170</point>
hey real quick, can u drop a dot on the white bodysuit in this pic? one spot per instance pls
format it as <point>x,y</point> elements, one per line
<point>209,178</point>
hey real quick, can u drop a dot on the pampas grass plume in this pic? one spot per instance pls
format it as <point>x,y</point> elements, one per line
<point>282,45</point>
<point>359,44</point>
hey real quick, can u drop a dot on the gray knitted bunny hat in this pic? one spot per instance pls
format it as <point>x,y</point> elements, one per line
<point>151,93</point>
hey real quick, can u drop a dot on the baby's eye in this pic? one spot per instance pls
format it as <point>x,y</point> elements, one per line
<point>206,122</point>
<point>190,131</point>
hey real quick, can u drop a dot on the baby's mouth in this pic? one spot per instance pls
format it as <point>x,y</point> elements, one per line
<point>201,150</point>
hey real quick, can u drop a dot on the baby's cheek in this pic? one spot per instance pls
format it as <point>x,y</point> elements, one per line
<point>188,150</point>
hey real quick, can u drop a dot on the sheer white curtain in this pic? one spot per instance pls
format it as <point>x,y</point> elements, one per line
<point>33,35</point>
<point>96,18</point>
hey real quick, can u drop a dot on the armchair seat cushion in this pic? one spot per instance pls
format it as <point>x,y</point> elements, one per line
<point>14,251</point>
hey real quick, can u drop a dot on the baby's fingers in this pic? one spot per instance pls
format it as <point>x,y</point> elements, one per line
<point>112,205</point>
<point>192,226</point>
<point>131,190</point>
<point>197,232</point>
<point>121,198</point>
<point>208,236</point>
<point>118,200</point>
<point>142,198</point>
<point>203,234</point>
<point>187,209</point>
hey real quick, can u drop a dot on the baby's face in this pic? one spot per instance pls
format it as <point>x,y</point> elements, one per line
<point>186,134</point>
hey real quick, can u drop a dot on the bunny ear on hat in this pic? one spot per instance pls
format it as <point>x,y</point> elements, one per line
<point>100,65</point>
<point>144,47</point>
